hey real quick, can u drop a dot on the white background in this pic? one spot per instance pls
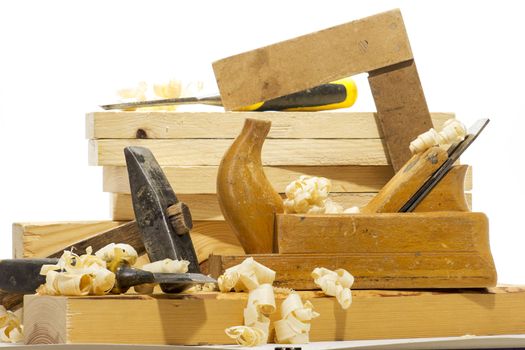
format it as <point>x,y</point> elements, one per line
<point>60,59</point>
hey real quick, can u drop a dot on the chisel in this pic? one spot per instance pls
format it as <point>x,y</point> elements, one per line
<point>22,276</point>
<point>338,94</point>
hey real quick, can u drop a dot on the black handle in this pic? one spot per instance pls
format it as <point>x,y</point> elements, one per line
<point>22,275</point>
<point>127,277</point>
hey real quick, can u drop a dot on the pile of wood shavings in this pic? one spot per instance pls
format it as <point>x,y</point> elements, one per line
<point>11,330</point>
<point>294,325</point>
<point>310,195</point>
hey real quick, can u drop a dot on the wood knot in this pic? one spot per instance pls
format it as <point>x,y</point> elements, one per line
<point>141,134</point>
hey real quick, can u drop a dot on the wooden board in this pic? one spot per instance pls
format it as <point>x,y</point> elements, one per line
<point>190,125</point>
<point>38,240</point>
<point>202,179</point>
<point>206,206</point>
<point>437,232</point>
<point>306,61</point>
<point>275,151</point>
<point>202,318</point>
<point>383,270</point>
<point>401,108</point>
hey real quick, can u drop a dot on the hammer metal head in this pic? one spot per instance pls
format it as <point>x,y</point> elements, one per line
<point>152,195</point>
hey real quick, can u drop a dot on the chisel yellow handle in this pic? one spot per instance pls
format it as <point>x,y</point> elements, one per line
<point>338,94</point>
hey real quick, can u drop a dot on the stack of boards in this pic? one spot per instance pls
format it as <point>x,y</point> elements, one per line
<point>344,147</point>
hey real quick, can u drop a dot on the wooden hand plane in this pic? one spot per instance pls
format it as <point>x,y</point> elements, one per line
<point>418,232</point>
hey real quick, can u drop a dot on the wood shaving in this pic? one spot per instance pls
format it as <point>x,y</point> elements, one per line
<point>246,276</point>
<point>453,131</point>
<point>161,266</point>
<point>294,327</point>
<point>245,336</point>
<point>309,195</point>
<point>257,279</point>
<point>172,89</point>
<point>123,251</point>
<point>77,275</point>
<point>335,283</point>
<point>11,331</point>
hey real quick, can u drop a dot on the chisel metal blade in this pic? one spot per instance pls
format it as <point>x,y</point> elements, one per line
<point>213,100</point>
<point>182,278</point>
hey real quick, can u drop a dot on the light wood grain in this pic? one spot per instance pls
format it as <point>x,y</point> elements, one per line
<point>202,318</point>
<point>195,125</point>
<point>401,108</point>
<point>202,179</point>
<point>294,65</point>
<point>38,240</point>
<point>384,233</point>
<point>383,270</point>
<point>206,206</point>
<point>275,151</point>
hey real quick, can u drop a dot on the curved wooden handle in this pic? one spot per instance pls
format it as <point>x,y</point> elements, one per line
<point>247,199</point>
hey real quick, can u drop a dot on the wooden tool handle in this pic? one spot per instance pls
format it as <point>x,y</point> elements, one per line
<point>449,193</point>
<point>247,199</point>
<point>406,181</point>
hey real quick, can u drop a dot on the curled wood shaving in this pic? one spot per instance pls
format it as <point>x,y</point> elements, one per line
<point>10,327</point>
<point>294,327</point>
<point>257,279</point>
<point>335,283</point>
<point>123,251</point>
<point>77,275</point>
<point>245,336</point>
<point>309,195</point>
<point>261,303</point>
<point>161,266</point>
<point>246,276</point>
<point>453,131</point>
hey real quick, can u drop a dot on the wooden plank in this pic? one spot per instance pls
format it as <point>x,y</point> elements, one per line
<point>401,108</point>
<point>385,233</point>
<point>306,61</point>
<point>38,240</point>
<point>275,151</point>
<point>382,270</point>
<point>201,318</point>
<point>202,179</point>
<point>188,125</point>
<point>206,206</point>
